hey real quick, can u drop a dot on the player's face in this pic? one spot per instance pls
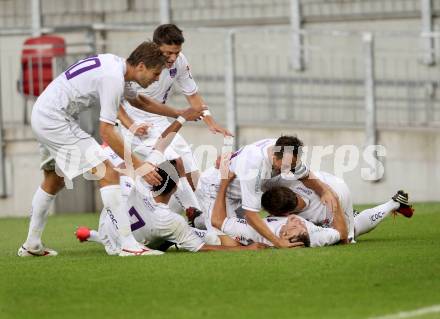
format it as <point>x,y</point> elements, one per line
<point>171,52</point>
<point>147,76</point>
<point>297,227</point>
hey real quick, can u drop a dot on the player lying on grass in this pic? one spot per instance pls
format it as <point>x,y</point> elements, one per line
<point>304,203</point>
<point>68,151</point>
<point>152,221</point>
<point>289,227</point>
<point>282,204</point>
<point>258,166</point>
<point>309,205</point>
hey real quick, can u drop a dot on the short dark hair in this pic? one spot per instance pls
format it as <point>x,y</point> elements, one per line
<point>304,237</point>
<point>149,54</point>
<point>170,177</point>
<point>279,201</point>
<point>288,143</point>
<point>168,34</point>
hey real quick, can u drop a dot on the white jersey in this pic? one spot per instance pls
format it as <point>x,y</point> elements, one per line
<point>317,212</point>
<point>253,168</point>
<point>153,222</point>
<point>240,230</point>
<point>94,81</point>
<point>314,211</point>
<point>180,74</point>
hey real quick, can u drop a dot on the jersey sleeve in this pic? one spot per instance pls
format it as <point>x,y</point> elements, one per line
<point>130,91</point>
<point>184,78</point>
<point>251,194</point>
<point>320,236</point>
<point>110,94</point>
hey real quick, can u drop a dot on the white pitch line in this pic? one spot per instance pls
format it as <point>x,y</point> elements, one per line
<point>411,314</point>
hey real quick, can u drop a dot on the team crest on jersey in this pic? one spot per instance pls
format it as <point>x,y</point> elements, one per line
<point>173,72</point>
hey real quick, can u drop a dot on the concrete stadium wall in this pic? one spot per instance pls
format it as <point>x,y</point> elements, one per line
<point>412,163</point>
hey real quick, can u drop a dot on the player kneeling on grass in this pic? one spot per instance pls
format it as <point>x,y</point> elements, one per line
<point>152,221</point>
<point>285,225</point>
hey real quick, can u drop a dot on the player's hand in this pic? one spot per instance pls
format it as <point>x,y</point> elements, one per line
<point>140,129</point>
<point>284,243</point>
<point>149,173</point>
<point>191,114</point>
<point>256,246</point>
<point>215,128</point>
<point>329,199</point>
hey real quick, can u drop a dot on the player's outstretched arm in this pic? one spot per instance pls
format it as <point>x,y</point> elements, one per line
<point>127,121</point>
<point>328,197</point>
<point>219,209</point>
<point>148,104</point>
<point>253,246</point>
<point>167,136</point>
<point>258,224</point>
<point>340,224</point>
<point>197,103</point>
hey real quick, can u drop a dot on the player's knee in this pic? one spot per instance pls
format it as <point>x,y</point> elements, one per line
<point>52,183</point>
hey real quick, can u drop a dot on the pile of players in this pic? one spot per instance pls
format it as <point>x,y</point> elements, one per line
<point>147,173</point>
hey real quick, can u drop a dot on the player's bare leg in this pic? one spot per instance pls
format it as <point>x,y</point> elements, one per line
<point>41,202</point>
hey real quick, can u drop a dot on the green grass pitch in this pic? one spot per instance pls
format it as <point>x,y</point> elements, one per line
<point>392,269</point>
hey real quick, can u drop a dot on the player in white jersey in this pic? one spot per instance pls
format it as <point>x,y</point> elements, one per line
<point>177,73</point>
<point>303,202</point>
<point>298,231</point>
<point>153,223</point>
<point>261,165</point>
<point>285,221</point>
<point>95,81</point>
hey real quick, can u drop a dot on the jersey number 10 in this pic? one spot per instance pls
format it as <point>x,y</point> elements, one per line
<point>82,66</point>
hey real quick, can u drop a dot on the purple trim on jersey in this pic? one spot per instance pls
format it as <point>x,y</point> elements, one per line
<point>71,75</point>
<point>165,96</point>
<point>173,72</point>
<point>235,154</point>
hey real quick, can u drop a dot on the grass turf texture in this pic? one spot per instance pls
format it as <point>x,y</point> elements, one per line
<point>394,268</point>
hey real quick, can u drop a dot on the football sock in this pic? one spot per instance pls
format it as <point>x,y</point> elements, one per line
<point>175,205</point>
<point>368,219</point>
<point>112,199</point>
<point>40,209</point>
<point>126,184</point>
<point>94,236</point>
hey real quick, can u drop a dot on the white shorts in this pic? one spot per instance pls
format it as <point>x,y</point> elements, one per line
<point>62,141</point>
<point>144,146</point>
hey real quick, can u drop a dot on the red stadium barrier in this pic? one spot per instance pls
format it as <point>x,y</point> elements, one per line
<point>37,63</point>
